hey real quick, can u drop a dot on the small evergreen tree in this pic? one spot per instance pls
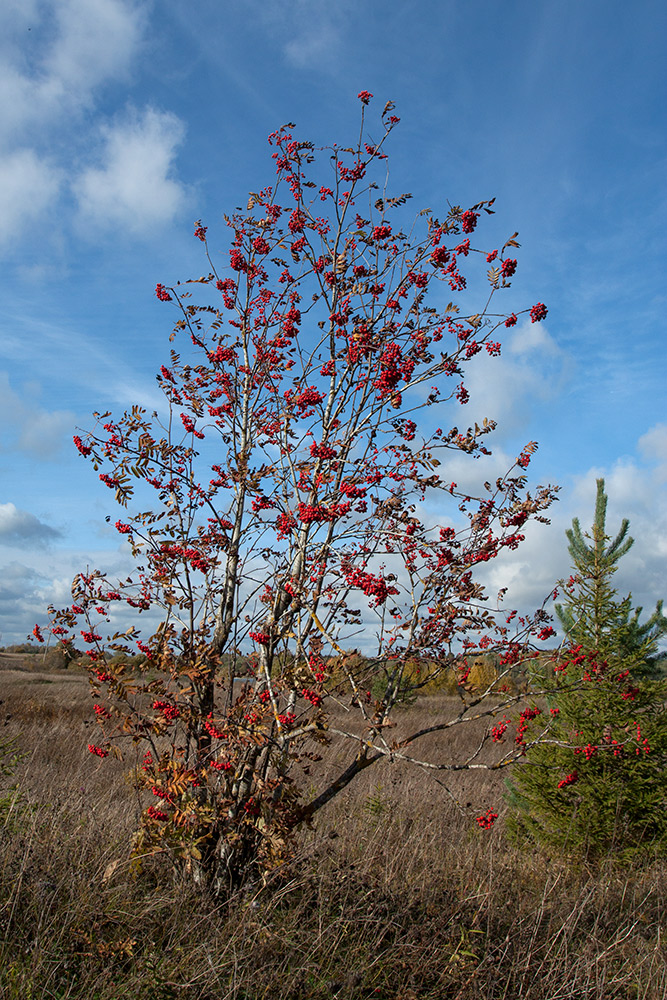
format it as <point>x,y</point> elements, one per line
<point>598,783</point>
<point>590,616</point>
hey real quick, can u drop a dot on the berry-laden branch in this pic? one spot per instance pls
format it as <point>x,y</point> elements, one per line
<point>287,502</point>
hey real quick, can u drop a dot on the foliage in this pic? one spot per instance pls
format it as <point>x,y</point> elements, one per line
<point>597,781</point>
<point>318,519</point>
<point>22,647</point>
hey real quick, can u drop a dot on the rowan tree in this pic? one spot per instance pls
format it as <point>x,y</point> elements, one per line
<point>596,782</point>
<point>319,516</point>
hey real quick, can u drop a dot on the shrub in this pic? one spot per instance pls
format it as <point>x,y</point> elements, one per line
<point>311,353</point>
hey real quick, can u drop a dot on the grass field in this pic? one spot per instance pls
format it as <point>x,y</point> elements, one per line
<point>395,894</point>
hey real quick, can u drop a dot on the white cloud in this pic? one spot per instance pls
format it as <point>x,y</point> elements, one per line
<point>313,45</point>
<point>21,12</point>
<point>27,587</point>
<point>311,32</point>
<point>21,104</point>
<point>653,446</point>
<point>638,494</point>
<point>47,76</point>
<point>32,580</point>
<point>18,585</point>
<point>533,337</point>
<point>133,188</point>
<point>24,425</point>
<point>530,572</point>
<point>18,526</point>
<point>55,56</point>
<point>530,370</point>
<point>635,493</point>
<point>28,185</point>
<point>97,41</point>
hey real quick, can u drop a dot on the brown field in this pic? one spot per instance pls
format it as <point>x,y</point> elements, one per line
<point>395,893</point>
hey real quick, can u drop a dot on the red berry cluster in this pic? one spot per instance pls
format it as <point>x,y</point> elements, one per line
<point>313,697</point>
<point>469,221</point>
<point>213,730</point>
<point>498,731</point>
<point>487,820</point>
<point>84,449</point>
<point>169,711</point>
<point>220,765</point>
<point>525,717</point>
<point>156,813</point>
<point>373,586</point>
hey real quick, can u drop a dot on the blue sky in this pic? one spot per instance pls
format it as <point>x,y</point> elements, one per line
<point>123,122</point>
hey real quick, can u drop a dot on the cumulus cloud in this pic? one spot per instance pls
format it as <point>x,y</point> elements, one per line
<point>26,426</point>
<point>533,339</point>
<point>97,41</point>
<point>313,45</point>
<point>50,78</point>
<point>74,47</point>
<point>18,526</point>
<point>133,187</point>
<point>38,578</point>
<point>25,593</point>
<point>530,370</point>
<point>635,492</point>
<point>530,573</point>
<point>18,586</point>
<point>28,185</point>
<point>310,32</point>
<point>653,446</point>
<point>15,579</point>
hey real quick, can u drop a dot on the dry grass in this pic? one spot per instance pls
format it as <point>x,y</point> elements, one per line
<point>394,895</point>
